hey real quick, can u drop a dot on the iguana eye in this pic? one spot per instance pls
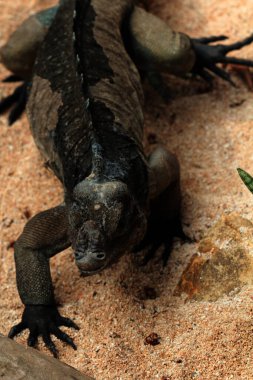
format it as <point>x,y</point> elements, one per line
<point>76,216</point>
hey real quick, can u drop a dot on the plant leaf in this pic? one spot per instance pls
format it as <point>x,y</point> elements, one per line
<point>246,178</point>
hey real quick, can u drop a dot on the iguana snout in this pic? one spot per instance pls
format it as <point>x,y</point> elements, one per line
<point>89,247</point>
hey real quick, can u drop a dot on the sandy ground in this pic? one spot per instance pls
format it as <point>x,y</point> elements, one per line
<point>211,135</point>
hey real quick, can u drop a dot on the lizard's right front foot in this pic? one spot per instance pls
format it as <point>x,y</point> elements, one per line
<point>16,101</point>
<point>44,320</point>
<point>160,234</point>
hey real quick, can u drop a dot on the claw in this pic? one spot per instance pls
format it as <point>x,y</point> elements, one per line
<point>206,76</point>
<point>33,337</point>
<point>44,320</point>
<point>19,108</point>
<point>222,74</point>
<point>50,344</point>
<point>237,45</point>
<point>64,337</point>
<point>208,40</point>
<point>31,341</point>
<point>17,329</point>
<point>8,102</point>
<point>68,323</point>
<point>150,253</point>
<point>17,100</point>
<point>237,61</point>
<point>243,72</point>
<point>12,78</point>
<point>209,56</point>
<point>166,253</point>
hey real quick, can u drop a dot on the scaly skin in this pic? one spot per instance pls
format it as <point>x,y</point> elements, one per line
<point>153,46</point>
<point>90,133</point>
<point>85,111</point>
<point>19,54</point>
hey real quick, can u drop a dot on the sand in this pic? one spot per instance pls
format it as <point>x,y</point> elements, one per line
<point>211,134</point>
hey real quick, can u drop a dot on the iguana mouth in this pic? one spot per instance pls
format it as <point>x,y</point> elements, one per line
<point>96,262</point>
<point>91,261</point>
<point>89,269</point>
<point>87,273</point>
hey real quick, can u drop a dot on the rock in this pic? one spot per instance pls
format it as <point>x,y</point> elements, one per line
<point>23,363</point>
<point>223,263</point>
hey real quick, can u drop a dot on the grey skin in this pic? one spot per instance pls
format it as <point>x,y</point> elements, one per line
<point>19,53</point>
<point>85,111</point>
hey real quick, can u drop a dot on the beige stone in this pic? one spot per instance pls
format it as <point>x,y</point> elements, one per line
<point>224,262</point>
<point>20,363</point>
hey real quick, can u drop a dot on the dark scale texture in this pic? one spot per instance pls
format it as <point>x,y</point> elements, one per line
<point>95,123</point>
<point>43,236</point>
<point>71,136</point>
<point>41,291</point>
<point>82,127</point>
<point>104,113</point>
<point>95,64</point>
<point>114,91</point>
<point>119,89</point>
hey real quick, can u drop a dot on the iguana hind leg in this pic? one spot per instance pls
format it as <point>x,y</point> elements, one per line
<point>18,55</point>
<point>153,45</point>
<point>156,48</point>
<point>16,102</point>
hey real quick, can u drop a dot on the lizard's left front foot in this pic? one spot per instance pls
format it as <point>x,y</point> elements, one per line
<point>16,101</point>
<point>44,320</point>
<point>208,56</point>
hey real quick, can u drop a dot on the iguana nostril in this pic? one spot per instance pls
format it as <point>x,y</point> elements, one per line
<point>78,255</point>
<point>100,256</point>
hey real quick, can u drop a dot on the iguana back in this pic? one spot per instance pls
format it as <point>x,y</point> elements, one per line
<point>86,95</point>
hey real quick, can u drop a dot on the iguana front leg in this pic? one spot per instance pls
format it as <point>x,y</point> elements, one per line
<point>45,235</point>
<point>165,204</point>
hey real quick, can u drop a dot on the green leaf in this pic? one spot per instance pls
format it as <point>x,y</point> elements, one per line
<point>246,178</point>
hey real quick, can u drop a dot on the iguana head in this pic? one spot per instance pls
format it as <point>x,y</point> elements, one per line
<point>105,221</point>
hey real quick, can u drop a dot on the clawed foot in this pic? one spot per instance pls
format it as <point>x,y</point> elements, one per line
<point>16,101</point>
<point>208,56</point>
<point>44,320</point>
<point>243,72</point>
<point>161,235</point>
